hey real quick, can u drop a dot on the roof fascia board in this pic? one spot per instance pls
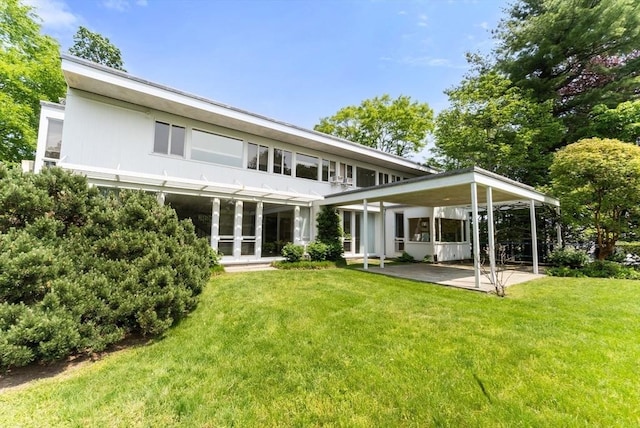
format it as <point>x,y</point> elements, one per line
<point>514,189</point>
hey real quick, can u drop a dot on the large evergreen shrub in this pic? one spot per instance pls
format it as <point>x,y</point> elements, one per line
<point>330,232</point>
<point>80,270</point>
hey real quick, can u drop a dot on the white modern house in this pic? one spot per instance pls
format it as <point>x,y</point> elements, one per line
<point>250,183</point>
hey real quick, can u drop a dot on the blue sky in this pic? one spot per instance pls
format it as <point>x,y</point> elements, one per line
<point>292,60</point>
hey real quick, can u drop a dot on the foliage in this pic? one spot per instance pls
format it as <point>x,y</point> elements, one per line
<point>621,122</point>
<point>330,232</point>
<point>398,126</point>
<point>29,72</point>
<point>577,53</point>
<point>292,252</point>
<point>318,251</point>
<point>629,247</point>
<point>568,257</point>
<point>564,271</point>
<point>97,48</point>
<point>80,271</point>
<point>405,258</point>
<point>307,265</point>
<point>598,183</point>
<point>496,126</point>
<point>568,352</point>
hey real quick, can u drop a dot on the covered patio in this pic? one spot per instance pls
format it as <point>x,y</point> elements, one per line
<point>471,188</point>
<point>457,276</point>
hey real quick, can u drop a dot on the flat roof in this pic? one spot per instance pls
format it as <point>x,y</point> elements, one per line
<point>447,189</point>
<point>95,78</point>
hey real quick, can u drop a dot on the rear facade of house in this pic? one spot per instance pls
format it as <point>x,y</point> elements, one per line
<point>249,184</point>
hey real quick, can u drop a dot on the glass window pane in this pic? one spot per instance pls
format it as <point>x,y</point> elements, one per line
<point>54,139</point>
<point>325,170</point>
<point>249,219</point>
<point>419,229</point>
<point>214,148</point>
<point>451,230</point>
<point>264,158</point>
<point>225,248</point>
<point>307,167</point>
<point>227,218</point>
<point>277,161</point>
<point>286,163</point>
<point>161,139</point>
<point>365,177</point>
<point>399,225</point>
<point>177,140</point>
<point>252,156</point>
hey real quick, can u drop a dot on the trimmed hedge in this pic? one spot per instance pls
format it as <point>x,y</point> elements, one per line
<point>80,270</point>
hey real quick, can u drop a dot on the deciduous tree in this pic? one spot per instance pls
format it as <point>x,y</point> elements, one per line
<point>621,122</point>
<point>497,126</point>
<point>29,72</point>
<point>97,48</point>
<point>398,126</point>
<point>598,183</point>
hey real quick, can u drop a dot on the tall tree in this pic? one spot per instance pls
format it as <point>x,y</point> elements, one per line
<point>621,122</point>
<point>496,126</point>
<point>578,53</point>
<point>399,126</point>
<point>97,48</point>
<point>598,183</point>
<point>29,72</point>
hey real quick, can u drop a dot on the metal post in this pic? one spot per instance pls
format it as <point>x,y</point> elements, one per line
<point>491,233</point>
<point>476,233</point>
<point>365,235</point>
<point>383,220</point>
<point>534,236</point>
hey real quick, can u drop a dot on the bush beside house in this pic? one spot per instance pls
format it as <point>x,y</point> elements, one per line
<point>80,270</point>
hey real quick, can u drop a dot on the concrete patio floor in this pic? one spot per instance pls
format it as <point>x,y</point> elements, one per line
<point>459,276</point>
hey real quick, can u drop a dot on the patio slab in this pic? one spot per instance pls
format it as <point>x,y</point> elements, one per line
<point>459,276</point>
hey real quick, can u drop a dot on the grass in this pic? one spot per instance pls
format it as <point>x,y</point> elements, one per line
<point>345,348</point>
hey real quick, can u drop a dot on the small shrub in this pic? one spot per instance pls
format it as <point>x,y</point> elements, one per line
<point>406,258</point>
<point>564,271</point>
<point>568,257</point>
<point>602,269</point>
<point>292,252</point>
<point>318,251</point>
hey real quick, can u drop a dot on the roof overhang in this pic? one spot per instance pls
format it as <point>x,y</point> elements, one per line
<point>448,189</point>
<point>120,179</point>
<point>94,78</point>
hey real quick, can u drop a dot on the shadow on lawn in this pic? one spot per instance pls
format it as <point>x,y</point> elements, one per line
<point>20,377</point>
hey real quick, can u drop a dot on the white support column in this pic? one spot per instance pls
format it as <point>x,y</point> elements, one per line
<point>558,229</point>
<point>476,233</point>
<point>259,208</point>
<point>161,197</point>
<point>491,236</point>
<point>365,234</point>
<point>297,239</point>
<point>534,236</point>
<point>383,234</point>
<point>215,223</point>
<point>237,231</point>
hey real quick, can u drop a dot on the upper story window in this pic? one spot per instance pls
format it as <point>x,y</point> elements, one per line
<point>281,162</point>
<point>54,139</point>
<point>383,178</point>
<point>365,177</point>
<point>169,139</point>
<point>325,169</point>
<point>214,148</point>
<point>258,157</point>
<point>307,166</point>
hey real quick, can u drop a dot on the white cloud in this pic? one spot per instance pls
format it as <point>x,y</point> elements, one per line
<point>402,12</point>
<point>484,25</point>
<point>422,20</point>
<point>123,5</point>
<point>428,61</point>
<point>55,14</point>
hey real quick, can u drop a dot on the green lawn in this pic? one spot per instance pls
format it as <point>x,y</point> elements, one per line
<point>346,348</point>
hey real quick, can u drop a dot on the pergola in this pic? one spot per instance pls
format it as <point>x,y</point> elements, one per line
<point>471,187</point>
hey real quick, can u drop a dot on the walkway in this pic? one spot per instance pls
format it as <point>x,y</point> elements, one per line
<point>459,276</point>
